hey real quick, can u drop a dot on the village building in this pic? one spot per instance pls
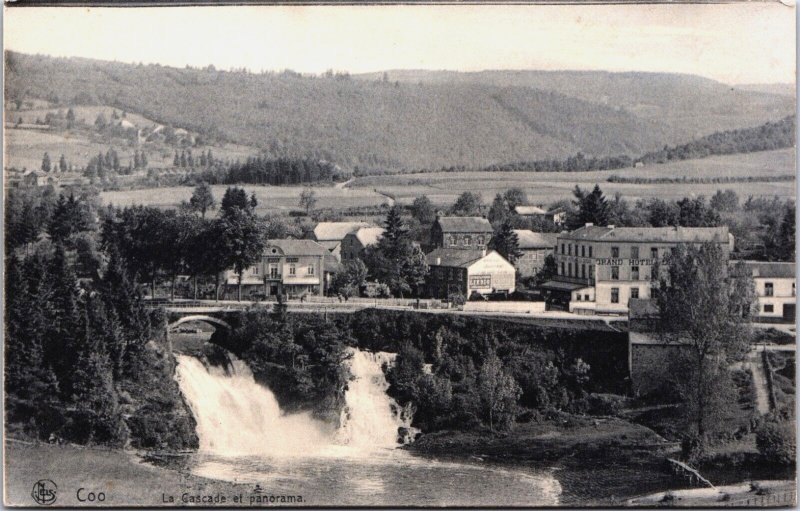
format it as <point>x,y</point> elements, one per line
<point>355,243</point>
<point>292,268</point>
<point>775,290</point>
<point>558,215</point>
<point>600,268</point>
<point>535,247</point>
<point>461,232</point>
<point>39,178</point>
<point>331,234</point>
<point>464,272</point>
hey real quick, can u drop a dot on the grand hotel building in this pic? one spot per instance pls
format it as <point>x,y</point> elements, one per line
<point>601,268</point>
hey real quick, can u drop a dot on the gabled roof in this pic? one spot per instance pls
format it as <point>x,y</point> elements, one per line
<point>368,236</point>
<point>529,210</point>
<point>453,257</point>
<point>530,240</point>
<point>297,247</point>
<point>330,231</point>
<point>652,234</point>
<point>464,224</point>
<point>770,270</point>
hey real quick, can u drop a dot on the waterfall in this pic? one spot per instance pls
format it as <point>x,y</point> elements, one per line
<point>237,416</point>
<point>371,418</point>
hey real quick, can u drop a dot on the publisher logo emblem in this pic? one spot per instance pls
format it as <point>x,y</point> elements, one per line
<point>44,492</point>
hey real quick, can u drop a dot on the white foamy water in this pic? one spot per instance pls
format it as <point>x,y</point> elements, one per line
<point>370,419</point>
<point>237,416</point>
<point>246,438</point>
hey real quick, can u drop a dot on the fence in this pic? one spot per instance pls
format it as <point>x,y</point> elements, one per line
<point>779,499</point>
<point>505,307</point>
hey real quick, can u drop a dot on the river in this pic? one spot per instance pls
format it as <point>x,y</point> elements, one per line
<point>245,438</point>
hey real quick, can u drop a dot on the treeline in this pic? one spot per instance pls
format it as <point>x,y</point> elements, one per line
<point>281,171</point>
<point>489,372</point>
<point>80,365</point>
<point>767,137</point>
<point>699,180</point>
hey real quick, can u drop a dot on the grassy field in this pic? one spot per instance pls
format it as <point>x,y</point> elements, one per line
<point>545,187</point>
<point>542,188</point>
<point>270,198</point>
<point>24,149</point>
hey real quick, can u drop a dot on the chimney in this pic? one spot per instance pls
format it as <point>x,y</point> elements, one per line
<point>589,224</point>
<point>438,261</point>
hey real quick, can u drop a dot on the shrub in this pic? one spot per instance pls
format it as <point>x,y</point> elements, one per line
<point>775,440</point>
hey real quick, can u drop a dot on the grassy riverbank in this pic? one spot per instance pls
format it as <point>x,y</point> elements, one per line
<point>601,461</point>
<point>120,475</point>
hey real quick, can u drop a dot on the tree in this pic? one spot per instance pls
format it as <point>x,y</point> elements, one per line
<point>396,260</point>
<point>100,121</point>
<point>242,242</point>
<point>308,199</point>
<point>350,279</point>
<point>499,393</point>
<point>46,163</point>
<point>662,213</point>
<point>726,201</point>
<point>592,207</point>
<point>467,204</point>
<point>202,199</point>
<point>786,235</point>
<point>506,242</point>
<point>70,118</point>
<point>422,209</point>
<point>62,164</point>
<point>234,198</point>
<point>176,162</point>
<point>693,212</point>
<point>700,305</point>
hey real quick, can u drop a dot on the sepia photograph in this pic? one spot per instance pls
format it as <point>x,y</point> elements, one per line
<point>383,256</point>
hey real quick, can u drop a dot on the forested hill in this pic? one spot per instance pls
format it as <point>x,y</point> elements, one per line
<point>377,124</point>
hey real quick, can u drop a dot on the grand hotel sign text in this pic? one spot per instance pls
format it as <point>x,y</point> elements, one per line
<point>629,262</point>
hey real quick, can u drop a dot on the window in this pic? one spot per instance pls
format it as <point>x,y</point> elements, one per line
<point>255,270</point>
<point>569,249</point>
<point>793,288</point>
<point>590,251</point>
<point>768,289</point>
<point>583,250</point>
<point>768,307</point>
<point>480,240</point>
<point>615,273</point>
<point>311,269</point>
<point>292,269</point>
<point>634,252</point>
<point>654,252</point>
<point>615,252</point>
<point>563,249</point>
<point>614,295</point>
<point>273,271</point>
<point>451,240</point>
<point>562,268</point>
<point>634,292</point>
<point>591,271</point>
<point>583,271</point>
<point>467,241</point>
<point>578,296</point>
<point>569,269</point>
<point>586,297</point>
<point>634,273</point>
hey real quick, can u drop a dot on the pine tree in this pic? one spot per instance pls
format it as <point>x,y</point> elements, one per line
<point>177,161</point>
<point>202,199</point>
<point>506,242</point>
<point>46,163</point>
<point>62,164</point>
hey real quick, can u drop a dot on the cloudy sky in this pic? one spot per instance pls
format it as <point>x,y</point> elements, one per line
<point>732,43</point>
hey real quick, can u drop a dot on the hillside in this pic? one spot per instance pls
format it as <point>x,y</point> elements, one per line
<point>377,125</point>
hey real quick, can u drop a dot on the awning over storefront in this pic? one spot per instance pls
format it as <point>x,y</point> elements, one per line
<point>556,285</point>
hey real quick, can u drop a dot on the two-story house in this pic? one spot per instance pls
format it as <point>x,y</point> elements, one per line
<point>461,232</point>
<point>287,267</point>
<point>775,290</point>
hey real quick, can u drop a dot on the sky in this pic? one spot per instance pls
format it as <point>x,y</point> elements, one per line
<point>732,43</point>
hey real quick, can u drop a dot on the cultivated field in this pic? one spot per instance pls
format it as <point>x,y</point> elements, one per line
<point>270,198</point>
<point>545,187</point>
<point>542,188</point>
<point>25,148</point>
